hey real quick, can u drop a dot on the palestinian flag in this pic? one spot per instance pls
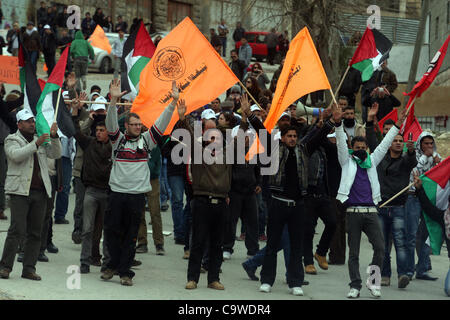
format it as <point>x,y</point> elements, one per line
<point>30,87</point>
<point>46,105</point>
<point>436,185</point>
<point>372,50</point>
<point>137,52</point>
<point>21,57</point>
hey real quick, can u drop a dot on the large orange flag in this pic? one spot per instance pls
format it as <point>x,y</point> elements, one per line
<point>187,57</point>
<point>99,40</point>
<point>302,73</point>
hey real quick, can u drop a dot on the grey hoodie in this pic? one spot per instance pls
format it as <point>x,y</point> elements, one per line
<point>424,163</point>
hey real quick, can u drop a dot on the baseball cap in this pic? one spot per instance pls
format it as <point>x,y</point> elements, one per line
<point>208,114</point>
<point>98,106</point>
<point>93,94</point>
<point>24,115</point>
<point>46,26</point>
<point>284,114</point>
<point>65,95</point>
<point>255,107</point>
<point>235,89</point>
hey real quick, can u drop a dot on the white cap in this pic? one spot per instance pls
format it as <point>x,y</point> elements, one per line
<point>208,114</point>
<point>98,106</point>
<point>65,95</point>
<point>24,115</point>
<point>47,26</point>
<point>255,107</point>
<point>93,94</point>
<point>285,114</point>
<point>332,135</point>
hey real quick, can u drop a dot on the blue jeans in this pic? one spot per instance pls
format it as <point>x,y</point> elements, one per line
<point>176,184</point>
<point>413,209</point>
<point>62,198</point>
<point>262,214</point>
<point>34,55</point>
<point>258,259</point>
<point>392,221</point>
<point>165,192</point>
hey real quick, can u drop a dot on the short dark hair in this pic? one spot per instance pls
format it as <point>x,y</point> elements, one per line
<point>131,115</point>
<point>343,98</point>
<point>389,122</point>
<point>95,87</point>
<point>230,118</point>
<point>358,139</point>
<point>234,50</point>
<point>100,124</point>
<point>286,129</point>
<point>349,108</point>
<point>217,99</point>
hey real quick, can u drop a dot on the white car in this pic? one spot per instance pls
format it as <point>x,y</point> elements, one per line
<point>103,62</point>
<point>3,33</point>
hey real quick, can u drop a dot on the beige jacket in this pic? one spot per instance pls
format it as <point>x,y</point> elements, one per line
<point>19,153</point>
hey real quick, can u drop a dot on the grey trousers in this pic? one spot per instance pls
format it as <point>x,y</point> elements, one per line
<point>3,169</point>
<point>27,217</point>
<point>371,226</point>
<point>94,206</point>
<point>79,199</point>
<point>80,66</point>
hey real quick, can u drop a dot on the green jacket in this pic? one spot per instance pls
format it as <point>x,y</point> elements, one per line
<point>155,163</point>
<point>80,47</point>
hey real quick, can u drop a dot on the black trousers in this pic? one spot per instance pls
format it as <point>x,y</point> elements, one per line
<point>245,207</point>
<point>318,208</point>
<point>279,215</point>
<point>338,244</point>
<point>271,52</point>
<point>122,220</point>
<point>208,220</point>
<point>49,58</point>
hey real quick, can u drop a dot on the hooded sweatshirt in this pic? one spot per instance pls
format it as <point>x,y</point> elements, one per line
<point>424,163</point>
<point>80,47</point>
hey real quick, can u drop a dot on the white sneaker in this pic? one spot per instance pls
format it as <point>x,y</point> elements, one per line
<point>375,292</point>
<point>353,293</point>
<point>296,291</point>
<point>265,288</point>
<point>226,255</point>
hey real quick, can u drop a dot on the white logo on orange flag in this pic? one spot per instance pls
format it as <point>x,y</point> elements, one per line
<point>99,39</point>
<point>302,73</point>
<point>187,57</point>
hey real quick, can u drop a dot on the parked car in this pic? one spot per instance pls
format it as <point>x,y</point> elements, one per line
<point>257,41</point>
<point>103,62</point>
<point>3,33</point>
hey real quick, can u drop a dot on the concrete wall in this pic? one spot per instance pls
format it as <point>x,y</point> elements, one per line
<point>439,8</point>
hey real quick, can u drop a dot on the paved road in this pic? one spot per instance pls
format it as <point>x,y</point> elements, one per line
<point>164,277</point>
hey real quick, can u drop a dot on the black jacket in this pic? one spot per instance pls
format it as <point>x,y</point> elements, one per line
<point>393,175</point>
<point>166,150</point>
<point>238,68</point>
<point>49,43</point>
<point>351,85</point>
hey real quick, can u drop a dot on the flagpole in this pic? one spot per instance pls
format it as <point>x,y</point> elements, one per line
<point>342,81</point>
<point>334,98</point>
<point>57,105</point>
<point>256,102</point>
<point>406,188</point>
<point>409,109</point>
<point>101,102</point>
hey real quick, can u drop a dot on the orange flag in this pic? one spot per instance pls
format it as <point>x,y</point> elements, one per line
<point>187,57</point>
<point>302,73</point>
<point>99,40</point>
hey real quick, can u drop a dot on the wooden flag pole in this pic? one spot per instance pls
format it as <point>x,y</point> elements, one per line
<point>57,105</point>
<point>254,100</point>
<point>403,190</point>
<point>340,83</point>
<point>101,102</point>
<point>332,95</point>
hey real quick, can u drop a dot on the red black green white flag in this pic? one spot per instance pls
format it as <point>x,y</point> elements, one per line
<point>372,50</point>
<point>137,52</point>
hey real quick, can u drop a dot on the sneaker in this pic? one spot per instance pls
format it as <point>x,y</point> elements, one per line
<point>160,250</point>
<point>142,249</point>
<point>164,207</point>
<point>216,285</point>
<point>31,276</point>
<point>353,293</point>
<point>191,285</point>
<point>42,257</point>
<point>403,281</point>
<point>296,291</point>
<point>51,248</point>
<point>108,274</point>
<point>186,255</point>
<point>226,255</point>
<point>375,292</point>
<point>250,272</point>
<point>323,264</point>
<point>61,221</point>
<point>265,288</point>
<point>385,281</point>
<point>310,269</point>
<point>4,273</point>
<point>126,281</point>
<point>262,237</point>
<point>84,268</point>
<point>20,257</point>
<point>136,263</point>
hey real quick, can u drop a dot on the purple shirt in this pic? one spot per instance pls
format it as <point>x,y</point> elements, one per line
<point>361,191</point>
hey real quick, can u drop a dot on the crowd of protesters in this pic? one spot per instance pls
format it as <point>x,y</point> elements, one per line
<point>333,167</point>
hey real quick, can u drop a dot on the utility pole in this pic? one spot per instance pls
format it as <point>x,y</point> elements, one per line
<point>418,46</point>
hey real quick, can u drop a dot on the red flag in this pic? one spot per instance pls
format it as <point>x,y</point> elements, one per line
<point>411,124</point>
<point>42,83</point>
<point>431,72</point>
<point>440,173</point>
<point>391,115</point>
